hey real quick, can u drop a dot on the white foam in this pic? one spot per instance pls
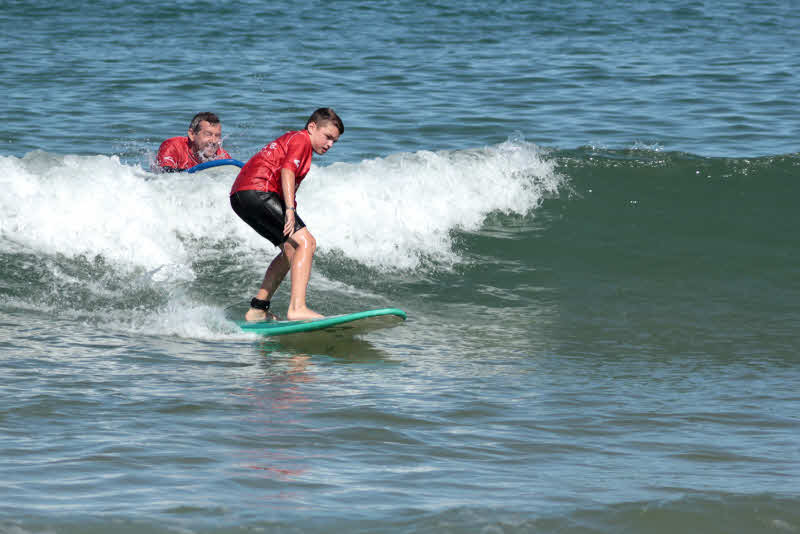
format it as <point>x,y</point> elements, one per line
<point>180,318</point>
<point>396,212</point>
<point>386,212</point>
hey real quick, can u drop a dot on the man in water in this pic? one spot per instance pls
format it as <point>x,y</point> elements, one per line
<point>263,196</point>
<point>202,143</point>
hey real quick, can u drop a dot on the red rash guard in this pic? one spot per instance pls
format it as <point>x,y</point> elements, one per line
<point>290,151</point>
<point>176,152</point>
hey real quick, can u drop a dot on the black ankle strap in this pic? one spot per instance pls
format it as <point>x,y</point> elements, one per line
<point>259,304</point>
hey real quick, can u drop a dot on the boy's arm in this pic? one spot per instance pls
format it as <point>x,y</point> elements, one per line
<point>288,189</point>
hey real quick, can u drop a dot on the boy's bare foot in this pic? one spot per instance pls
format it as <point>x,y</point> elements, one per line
<point>302,314</point>
<point>255,315</point>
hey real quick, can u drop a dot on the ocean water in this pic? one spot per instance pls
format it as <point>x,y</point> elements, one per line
<point>587,210</point>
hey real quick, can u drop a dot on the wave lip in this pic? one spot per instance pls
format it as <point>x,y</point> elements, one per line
<point>399,211</point>
<point>391,212</point>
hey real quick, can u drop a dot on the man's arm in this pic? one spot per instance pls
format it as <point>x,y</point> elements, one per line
<point>168,157</point>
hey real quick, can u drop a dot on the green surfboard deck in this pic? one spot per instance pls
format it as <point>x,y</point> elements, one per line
<point>375,318</point>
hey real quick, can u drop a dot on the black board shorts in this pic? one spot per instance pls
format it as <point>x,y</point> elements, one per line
<point>265,213</point>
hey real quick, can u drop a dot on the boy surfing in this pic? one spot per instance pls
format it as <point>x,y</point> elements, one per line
<point>263,196</point>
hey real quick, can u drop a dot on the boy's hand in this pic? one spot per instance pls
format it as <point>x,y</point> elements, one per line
<point>288,228</point>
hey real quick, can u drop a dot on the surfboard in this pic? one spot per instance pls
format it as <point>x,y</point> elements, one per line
<point>359,322</point>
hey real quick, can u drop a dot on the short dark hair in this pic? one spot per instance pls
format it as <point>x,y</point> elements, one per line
<point>200,117</point>
<point>326,115</point>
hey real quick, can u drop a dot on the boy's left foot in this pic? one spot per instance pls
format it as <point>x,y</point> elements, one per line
<point>255,315</point>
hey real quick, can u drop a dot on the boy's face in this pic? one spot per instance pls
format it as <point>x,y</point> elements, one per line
<point>323,136</point>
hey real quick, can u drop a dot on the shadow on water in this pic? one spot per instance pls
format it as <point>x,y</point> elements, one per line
<point>342,342</point>
<point>338,344</point>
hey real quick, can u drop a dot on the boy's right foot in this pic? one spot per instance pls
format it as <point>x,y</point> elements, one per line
<point>302,314</point>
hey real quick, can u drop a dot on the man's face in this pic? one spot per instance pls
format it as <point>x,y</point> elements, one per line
<point>206,141</point>
<point>323,136</point>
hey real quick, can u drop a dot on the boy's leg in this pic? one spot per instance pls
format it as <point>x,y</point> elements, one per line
<point>299,249</point>
<point>275,274</point>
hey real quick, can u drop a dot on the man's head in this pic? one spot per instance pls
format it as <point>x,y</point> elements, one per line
<point>205,134</point>
<point>324,127</point>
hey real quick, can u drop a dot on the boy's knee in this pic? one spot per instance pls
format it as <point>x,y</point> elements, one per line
<point>308,242</point>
